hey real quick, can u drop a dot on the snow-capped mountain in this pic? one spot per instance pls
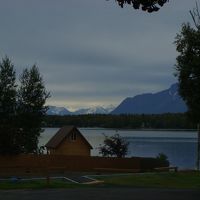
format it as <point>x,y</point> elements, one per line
<point>53,110</point>
<point>94,110</point>
<point>109,108</point>
<point>166,101</point>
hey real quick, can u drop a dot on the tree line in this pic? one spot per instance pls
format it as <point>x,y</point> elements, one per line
<point>21,108</point>
<point>146,121</point>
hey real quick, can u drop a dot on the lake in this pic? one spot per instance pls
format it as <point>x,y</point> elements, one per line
<point>179,146</point>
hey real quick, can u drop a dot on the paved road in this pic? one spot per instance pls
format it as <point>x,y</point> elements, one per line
<point>100,194</point>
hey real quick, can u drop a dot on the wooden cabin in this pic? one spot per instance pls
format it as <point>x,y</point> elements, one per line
<point>68,141</point>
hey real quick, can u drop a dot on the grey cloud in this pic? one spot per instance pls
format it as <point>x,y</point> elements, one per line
<point>92,50</point>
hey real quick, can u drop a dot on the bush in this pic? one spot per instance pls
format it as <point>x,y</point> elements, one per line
<point>162,160</point>
<point>148,164</point>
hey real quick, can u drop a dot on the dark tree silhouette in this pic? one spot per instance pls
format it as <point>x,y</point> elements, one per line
<point>32,96</point>
<point>114,146</point>
<point>146,5</point>
<point>188,69</point>
<point>8,132</point>
<point>22,108</point>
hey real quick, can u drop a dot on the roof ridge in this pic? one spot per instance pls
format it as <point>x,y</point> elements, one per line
<point>61,134</point>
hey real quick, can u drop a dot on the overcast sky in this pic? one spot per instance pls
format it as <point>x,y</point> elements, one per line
<point>92,52</point>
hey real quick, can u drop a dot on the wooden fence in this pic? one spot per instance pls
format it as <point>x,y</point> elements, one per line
<point>29,164</point>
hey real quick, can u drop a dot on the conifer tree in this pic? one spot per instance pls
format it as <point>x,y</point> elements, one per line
<point>8,131</point>
<point>32,96</point>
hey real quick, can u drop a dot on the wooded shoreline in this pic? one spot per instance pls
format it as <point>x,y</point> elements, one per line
<point>169,121</point>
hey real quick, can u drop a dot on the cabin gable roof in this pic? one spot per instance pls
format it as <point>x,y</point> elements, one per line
<point>61,134</point>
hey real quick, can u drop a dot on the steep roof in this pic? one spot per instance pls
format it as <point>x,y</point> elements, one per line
<point>62,133</point>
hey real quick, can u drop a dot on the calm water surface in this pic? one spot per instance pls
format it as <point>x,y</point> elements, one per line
<point>179,146</point>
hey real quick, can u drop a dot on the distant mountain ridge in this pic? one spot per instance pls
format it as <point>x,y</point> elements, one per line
<point>166,101</point>
<point>53,110</point>
<point>94,110</point>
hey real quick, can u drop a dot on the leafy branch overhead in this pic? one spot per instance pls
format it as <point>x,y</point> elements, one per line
<point>146,5</point>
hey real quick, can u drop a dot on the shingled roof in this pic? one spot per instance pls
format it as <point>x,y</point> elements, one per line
<point>61,135</point>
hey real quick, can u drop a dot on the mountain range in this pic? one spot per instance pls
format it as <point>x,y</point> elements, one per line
<point>95,110</point>
<point>53,110</point>
<point>166,101</point>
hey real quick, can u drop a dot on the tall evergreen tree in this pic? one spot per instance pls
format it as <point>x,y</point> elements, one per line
<point>8,132</point>
<point>32,96</point>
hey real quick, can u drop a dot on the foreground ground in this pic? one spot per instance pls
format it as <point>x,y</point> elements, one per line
<point>170,180</point>
<point>114,193</point>
<point>144,186</point>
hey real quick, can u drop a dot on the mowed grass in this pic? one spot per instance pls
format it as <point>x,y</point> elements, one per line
<point>178,180</point>
<point>37,184</point>
<point>181,180</point>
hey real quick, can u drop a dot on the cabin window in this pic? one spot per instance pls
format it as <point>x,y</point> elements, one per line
<point>73,136</point>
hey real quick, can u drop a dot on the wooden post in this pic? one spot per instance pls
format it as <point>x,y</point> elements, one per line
<point>47,177</point>
<point>47,171</point>
<point>198,146</point>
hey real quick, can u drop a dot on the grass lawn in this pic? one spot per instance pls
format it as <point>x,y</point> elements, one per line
<point>181,180</point>
<point>38,184</point>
